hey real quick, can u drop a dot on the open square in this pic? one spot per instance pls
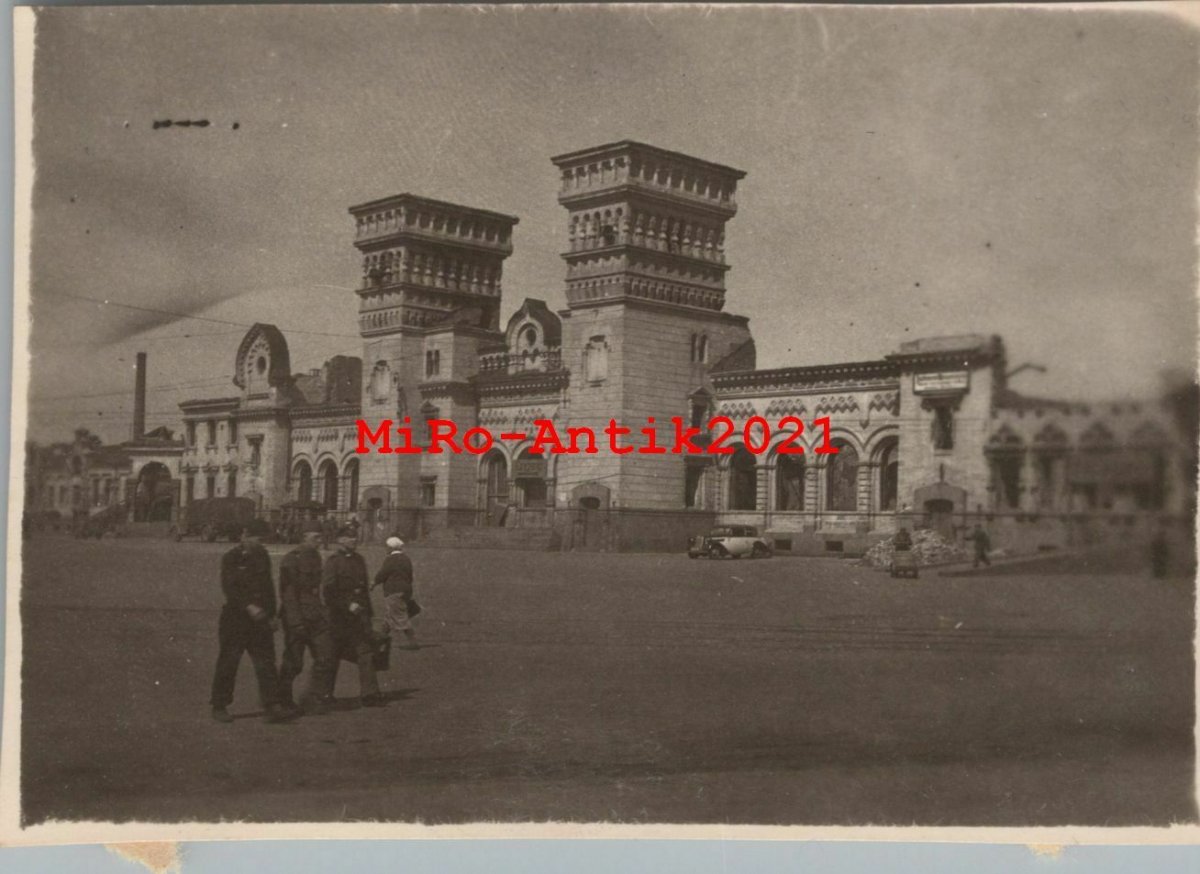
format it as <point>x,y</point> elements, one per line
<point>627,688</point>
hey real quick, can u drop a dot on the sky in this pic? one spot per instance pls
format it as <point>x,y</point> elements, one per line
<point>910,173</point>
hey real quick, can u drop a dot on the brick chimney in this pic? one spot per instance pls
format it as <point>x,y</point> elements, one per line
<point>139,398</point>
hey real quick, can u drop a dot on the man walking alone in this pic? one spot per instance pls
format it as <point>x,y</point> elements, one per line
<point>246,626</point>
<point>396,577</point>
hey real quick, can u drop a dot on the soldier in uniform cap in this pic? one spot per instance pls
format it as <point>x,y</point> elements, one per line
<point>246,625</point>
<point>344,582</point>
<point>305,622</point>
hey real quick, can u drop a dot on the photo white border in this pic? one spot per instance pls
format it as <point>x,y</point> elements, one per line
<point>87,832</point>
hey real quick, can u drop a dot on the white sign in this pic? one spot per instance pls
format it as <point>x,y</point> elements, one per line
<point>930,383</point>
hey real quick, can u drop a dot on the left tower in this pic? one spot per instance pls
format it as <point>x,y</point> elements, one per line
<point>429,296</point>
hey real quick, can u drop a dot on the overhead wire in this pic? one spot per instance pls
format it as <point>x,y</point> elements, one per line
<point>179,315</point>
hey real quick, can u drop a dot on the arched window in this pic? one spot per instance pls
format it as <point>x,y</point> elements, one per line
<point>304,481</point>
<point>743,480</point>
<point>841,478</point>
<point>329,485</point>
<point>789,482</point>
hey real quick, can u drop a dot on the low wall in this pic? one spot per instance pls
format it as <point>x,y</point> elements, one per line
<point>630,530</point>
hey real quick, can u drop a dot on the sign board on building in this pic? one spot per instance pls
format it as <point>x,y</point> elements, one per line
<point>937,383</point>
<point>529,468</point>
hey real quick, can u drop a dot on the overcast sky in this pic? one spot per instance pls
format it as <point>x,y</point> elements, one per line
<point>910,173</point>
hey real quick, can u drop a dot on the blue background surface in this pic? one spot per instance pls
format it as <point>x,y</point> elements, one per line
<point>536,857</point>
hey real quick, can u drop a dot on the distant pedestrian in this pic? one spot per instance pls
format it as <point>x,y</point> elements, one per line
<point>982,544</point>
<point>902,542</point>
<point>246,625</point>
<point>396,577</point>
<point>354,527</point>
<point>345,586</point>
<point>305,623</point>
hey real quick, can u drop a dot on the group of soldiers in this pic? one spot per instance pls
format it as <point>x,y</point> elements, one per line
<point>324,607</point>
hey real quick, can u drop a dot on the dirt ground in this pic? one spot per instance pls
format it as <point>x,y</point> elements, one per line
<point>625,688</point>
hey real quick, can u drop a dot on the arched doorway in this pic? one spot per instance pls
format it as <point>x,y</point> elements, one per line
<point>153,497</point>
<point>328,475</point>
<point>302,476</point>
<point>841,479</point>
<point>495,467</point>
<point>743,480</point>
<point>589,521</point>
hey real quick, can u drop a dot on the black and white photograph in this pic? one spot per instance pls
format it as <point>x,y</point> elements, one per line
<point>625,416</point>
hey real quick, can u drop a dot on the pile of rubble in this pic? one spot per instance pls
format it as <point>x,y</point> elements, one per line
<point>928,547</point>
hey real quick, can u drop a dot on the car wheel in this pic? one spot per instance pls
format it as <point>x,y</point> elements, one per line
<point>716,552</point>
<point>760,551</point>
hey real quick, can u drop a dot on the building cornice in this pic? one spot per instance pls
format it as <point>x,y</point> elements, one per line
<point>460,391</point>
<point>866,375</point>
<point>209,405</point>
<point>658,306</point>
<point>529,383</point>
<point>302,416</point>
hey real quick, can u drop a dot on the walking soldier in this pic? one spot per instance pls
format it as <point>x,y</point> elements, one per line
<point>344,582</point>
<point>246,625</point>
<point>305,622</point>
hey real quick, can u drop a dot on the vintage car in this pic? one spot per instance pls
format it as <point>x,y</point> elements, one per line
<point>210,518</point>
<point>731,541</point>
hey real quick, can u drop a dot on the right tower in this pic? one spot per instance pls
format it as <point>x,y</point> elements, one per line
<point>644,326</point>
<point>646,223</point>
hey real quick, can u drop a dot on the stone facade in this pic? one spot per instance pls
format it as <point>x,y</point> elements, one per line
<point>928,434</point>
<point>138,479</point>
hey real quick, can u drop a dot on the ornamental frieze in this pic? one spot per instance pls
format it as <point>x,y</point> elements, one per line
<point>836,405</point>
<point>889,401</point>
<point>786,407</point>
<point>736,410</point>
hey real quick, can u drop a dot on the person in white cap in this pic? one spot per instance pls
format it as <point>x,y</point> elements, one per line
<point>396,577</point>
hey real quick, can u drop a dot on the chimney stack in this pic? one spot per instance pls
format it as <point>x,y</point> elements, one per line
<point>139,398</point>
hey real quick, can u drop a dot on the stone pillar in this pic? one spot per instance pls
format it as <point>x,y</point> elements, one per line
<point>761,493</point>
<point>812,491</point>
<point>864,501</point>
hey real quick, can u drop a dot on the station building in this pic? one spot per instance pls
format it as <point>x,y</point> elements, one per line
<point>929,433</point>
